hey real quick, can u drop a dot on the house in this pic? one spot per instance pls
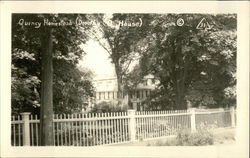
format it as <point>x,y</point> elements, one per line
<point>106,91</point>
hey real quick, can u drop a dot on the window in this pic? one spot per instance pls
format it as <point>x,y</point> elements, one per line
<point>139,107</point>
<point>109,95</point>
<point>144,94</point>
<point>130,95</point>
<point>134,93</point>
<point>141,94</point>
<point>138,94</point>
<point>99,95</point>
<point>105,95</point>
<point>102,95</point>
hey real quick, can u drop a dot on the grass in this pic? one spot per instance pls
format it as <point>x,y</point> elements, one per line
<point>227,137</point>
<point>220,137</point>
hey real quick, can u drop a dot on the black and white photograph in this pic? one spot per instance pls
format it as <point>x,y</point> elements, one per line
<point>97,79</point>
<point>115,79</point>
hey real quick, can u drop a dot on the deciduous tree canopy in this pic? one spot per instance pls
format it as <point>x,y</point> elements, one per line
<point>191,65</point>
<point>71,85</point>
<point>118,34</point>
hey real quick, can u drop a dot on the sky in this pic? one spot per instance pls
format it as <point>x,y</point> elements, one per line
<point>97,59</point>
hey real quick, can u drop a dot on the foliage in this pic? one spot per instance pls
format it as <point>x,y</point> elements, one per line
<point>119,41</point>
<point>80,135</point>
<point>106,107</point>
<point>190,64</point>
<point>203,136</point>
<point>72,89</point>
<point>155,129</point>
<point>26,63</point>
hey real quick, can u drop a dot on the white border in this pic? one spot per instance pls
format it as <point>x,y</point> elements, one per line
<point>241,8</point>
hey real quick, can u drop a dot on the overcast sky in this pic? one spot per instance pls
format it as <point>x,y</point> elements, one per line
<point>96,59</point>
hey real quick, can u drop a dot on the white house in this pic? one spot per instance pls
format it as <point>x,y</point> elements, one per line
<point>106,90</point>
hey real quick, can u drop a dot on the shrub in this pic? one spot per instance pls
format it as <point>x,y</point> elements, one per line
<point>155,129</point>
<point>106,107</point>
<point>203,136</point>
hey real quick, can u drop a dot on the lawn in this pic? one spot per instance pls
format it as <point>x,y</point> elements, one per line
<point>221,136</point>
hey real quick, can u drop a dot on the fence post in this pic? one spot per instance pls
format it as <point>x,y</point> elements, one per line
<point>232,112</point>
<point>193,124</point>
<point>132,125</point>
<point>26,128</point>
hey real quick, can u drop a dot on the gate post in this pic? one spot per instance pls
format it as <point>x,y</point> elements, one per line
<point>132,125</point>
<point>192,119</point>
<point>26,128</point>
<point>232,113</point>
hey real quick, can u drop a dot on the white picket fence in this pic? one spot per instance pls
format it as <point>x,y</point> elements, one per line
<point>95,129</point>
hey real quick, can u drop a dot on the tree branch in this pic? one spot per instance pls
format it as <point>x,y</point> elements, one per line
<point>104,28</point>
<point>100,43</point>
<point>127,66</point>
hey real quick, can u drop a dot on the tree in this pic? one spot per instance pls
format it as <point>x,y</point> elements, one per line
<point>34,45</point>
<point>46,114</point>
<point>118,35</point>
<point>191,64</point>
<point>72,87</point>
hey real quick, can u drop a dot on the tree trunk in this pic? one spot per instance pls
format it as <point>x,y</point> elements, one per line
<point>46,113</point>
<point>179,75</point>
<point>119,83</point>
<point>180,95</point>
